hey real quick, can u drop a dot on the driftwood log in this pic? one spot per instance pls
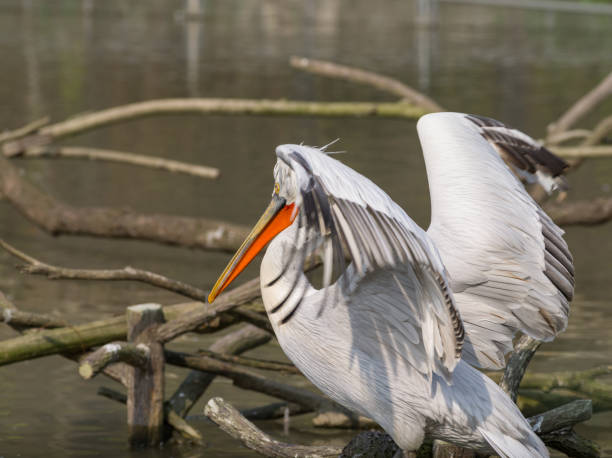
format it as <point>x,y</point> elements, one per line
<point>233,423</point>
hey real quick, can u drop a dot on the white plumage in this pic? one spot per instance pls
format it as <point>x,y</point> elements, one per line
<point>385,333</point>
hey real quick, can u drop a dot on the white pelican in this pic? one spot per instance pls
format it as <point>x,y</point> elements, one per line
<point>394,334</point>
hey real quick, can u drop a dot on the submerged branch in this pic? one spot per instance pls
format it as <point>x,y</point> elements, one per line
<point>75,152</point>
<point>385,83</point>
<point>234,424</point>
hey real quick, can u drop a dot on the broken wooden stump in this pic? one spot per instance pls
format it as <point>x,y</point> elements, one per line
<point>145,401</point>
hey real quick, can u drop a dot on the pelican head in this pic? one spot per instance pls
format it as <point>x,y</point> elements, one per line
<point>279,215</point>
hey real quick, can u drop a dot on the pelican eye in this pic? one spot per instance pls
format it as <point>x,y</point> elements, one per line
<point>276,188</point>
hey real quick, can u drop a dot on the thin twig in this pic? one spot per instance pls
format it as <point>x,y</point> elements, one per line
<point>23,131</point>
<point>384,83</point>
<point>600,132</point>
<point>248,380</point>
<point>77,152</point>
<point>37,267</point>
<point>568,135</point>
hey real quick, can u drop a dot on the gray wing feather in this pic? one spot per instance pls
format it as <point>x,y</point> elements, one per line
<point>398,281</point>
<point>509,266</point>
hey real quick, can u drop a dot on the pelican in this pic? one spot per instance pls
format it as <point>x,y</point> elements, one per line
<point>403,317</point>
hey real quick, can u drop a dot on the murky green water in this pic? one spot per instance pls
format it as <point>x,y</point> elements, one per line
<point>64,57</point>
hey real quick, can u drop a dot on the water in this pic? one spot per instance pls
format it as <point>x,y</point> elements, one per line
<point>65,57</point>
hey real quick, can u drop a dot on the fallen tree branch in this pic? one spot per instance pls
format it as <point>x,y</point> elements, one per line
<point>582,106</point>
<point>80,338</point>
<point>385,83</point>
<point>252,362</point>
<point>114,352</point>
<point>234,424</point>
<point>196,382</point>
<point>58,218</point>
<point>230,300</point>
<point>77,152</point>
<point>257,319</point>
<point>586,213</point>
<point>202,106</point>
<point>38,267</point>
<point>248,380</point>
<point>19,320</point>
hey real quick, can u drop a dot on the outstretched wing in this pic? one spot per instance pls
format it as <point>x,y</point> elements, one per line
<point>396,281</point>
<point>509,267</point>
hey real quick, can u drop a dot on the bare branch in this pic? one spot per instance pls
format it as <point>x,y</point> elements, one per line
<point>77,152</point>
<point>585,104</point>
<point>23,131</point>
<point>252,362</point>
<point>24,320</point>
<point>196,382</point>
<point>233,423</point>
<point>246,292</point>
<point>57,218</point>
<point>385,83</point>
<point>562,137</point>
<point>114,352</point>
<point>80,338</point>
<point>248,380</point>
<point>572,152</point>
<point>35,266</point>
<point>203,106</point>
<point>114,395</point>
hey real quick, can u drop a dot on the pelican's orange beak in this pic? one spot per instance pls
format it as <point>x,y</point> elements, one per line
<point>276,218</point>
